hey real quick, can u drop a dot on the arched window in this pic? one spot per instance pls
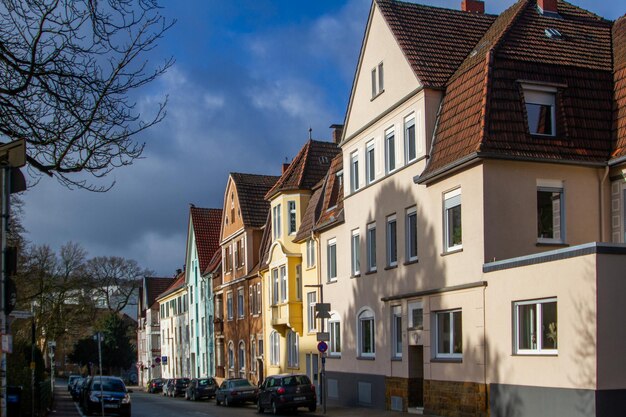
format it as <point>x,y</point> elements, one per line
<point>274,348</point>
<point>293,351</point>
<point>365,329</point>
<point>241,357</point>
<point>231,355</point>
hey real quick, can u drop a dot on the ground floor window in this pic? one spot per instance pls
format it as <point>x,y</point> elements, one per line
<point>536,327</point>
<point>366,334</point>
<point>292,349</point>
<point>274,348</point>
<point>335,335</point>
<point>449,332</point>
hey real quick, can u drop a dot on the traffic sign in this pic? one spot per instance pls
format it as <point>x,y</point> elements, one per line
<point>323,336</point>
<point>322,346</point>
<point>322,311</point>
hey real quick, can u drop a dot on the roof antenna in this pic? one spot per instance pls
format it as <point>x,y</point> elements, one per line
<point>310,133</point>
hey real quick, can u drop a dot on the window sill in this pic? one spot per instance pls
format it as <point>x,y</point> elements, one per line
<point>540,354</point>
<point>561,244</point>
<point>447,360</point>
<point>414,261</point>
<point>371,272</point>
<point>451,252</point>
<point>387,268</point>
<point>334,281</point>
<point>396,359</point>
<point>377,95</point>
<point>333,356</point>
<point>355,276</point>
<point>366,358</point>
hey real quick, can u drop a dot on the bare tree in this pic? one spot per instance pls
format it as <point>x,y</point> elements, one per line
<point>115,281</point>
<point>67,70</point>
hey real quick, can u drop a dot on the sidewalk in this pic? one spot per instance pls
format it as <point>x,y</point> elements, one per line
<point>63,405</point>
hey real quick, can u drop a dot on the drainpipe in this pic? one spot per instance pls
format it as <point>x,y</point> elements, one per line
<point>602,216</point>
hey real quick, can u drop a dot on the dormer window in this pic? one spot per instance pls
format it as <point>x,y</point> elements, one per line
<point>378,80</point>
<point>540,109</point>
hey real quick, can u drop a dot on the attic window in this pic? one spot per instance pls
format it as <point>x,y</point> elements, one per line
<point>553,33</point>
<point>323,159</point>
<point>378,80</point>
<point>540,109</point>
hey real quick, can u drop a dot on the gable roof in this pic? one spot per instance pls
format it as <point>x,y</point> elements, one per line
<point>153,286</point>
<point>266,243</point>
<point>215,263</point>
<point>307,168</point>
<point>435,41</point>
<point>331,210</point>
<point>176,284</point>
<point>251,190</point>
<point>311,214</point>
<point>619,115</point>
<point>206,223</point>
<point>483,111</point>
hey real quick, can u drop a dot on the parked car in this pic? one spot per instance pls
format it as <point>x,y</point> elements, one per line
<point>71,380</point>
<point>166,386</point>
<point>236,390</point>
<point>282,392</point>
<point>82,388</point>
<point>200,388</point>
<point>177,387</point>
<point>108,392</point>
<point>155,385</point>
<point>76,387</point>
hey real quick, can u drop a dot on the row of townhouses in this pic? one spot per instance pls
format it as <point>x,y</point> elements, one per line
<point>466,224</point>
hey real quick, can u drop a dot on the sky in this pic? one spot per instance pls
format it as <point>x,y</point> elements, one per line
<point>251,77</point>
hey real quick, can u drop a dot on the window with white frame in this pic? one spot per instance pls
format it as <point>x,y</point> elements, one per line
<point>390,151</point>
<point>370,162</point>
<point>275,288</point>
<point>283,283</point>
<point>310,253</point>
<point>240,306</point>
<point>410,144</point>
<point>449,333</point>
<point>356,252</point>
<point>253,355</point>
<point>237,254</point>
<point>396,331</point>
<point>378,79</point>
<point>453,237</point>
<point>416,315</point>
<point>371,247</point>
<point>354,171</point>
<point>230,312</point>
<point>274,348</point>
<point>203,327</point>
<point>231,355</point>
<point>258,298</point>
<point>392,244</point>
<point>365,330</point>
<point>293,352</point>
<point>540,109</point>
<point>291,205</point>
<point>411,234</point>
<point>536,327</point>
<point>299,282</point>
<point>331,257</point>
<point>311,300</point>
<point>276,220</point>
<point>334,328</point>
<point>242,356</point>
<point>550,214</point>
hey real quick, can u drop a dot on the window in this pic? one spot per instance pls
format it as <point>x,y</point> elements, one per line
<point>536,327</point>
<point>540,109</point>
<point>396,331</point>
<point>237,254</point>
<point>274,348</point>
<point>231,355</point>
<point>253,355</point>
<point>550,216</point>
<point>331,255</point>
<point>203,327</point>
<point>229,260</point>
<point>452,221</point>
<point>411,234</point>
<point>242,356</point>
<point>370,163</point>
<point>310,253</point>
<point>283,283</point>
<point>390,151</point>
<point>371,247</point>
<point>311,300</point>
<point>449,333</point>
<point>356,250</point>
<point>365,328</point>
<point>240,306</point>
<point>292,349</point>
<point>229,306</point>
<point>392,249</point>
<point>410,145</point>
<point>274,286</point>
<point>258,298</point>
<point>291,205</point>
<point>378,85</point>
<point>276,221</point>
<point>334,327</point>
<point>354,171</point>
<point>299,282</point>
<point>416,315</point>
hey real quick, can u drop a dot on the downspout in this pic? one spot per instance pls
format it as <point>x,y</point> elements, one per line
<point>602,216</point>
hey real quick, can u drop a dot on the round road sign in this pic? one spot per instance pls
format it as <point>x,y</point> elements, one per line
<point>322,346</point>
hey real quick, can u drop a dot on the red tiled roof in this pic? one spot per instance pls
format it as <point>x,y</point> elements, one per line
<point>311,214</point>
<point>178,283</point>
<point>215,262</point>
<point>619,114</point>
<point>435,41</point>
<point>251,190</point>
<point>153,286</point>
<point>483,111</point>
<point>206,223</point>
<point>331,211</point>
<point>266,243</point>
<point>307,168</point>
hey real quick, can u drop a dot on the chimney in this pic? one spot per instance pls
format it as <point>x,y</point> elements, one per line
<point>285,167</point>
<point>337,133</point>
<point>474,6</point>
<point>547,7</point>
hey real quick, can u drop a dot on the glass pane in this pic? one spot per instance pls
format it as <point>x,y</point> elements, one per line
<point>454,226</point>
<point>549,214</point>
<point>443,333</point>
<point>410,138</point>
<point>391,153</point>
<point>366,336</point>
<point>371,171</point>
<point>527,331</point>
<point>412,240</point>
<point>398,329</point>
<point>372,248</point>
<point>417,315</point>
<point>457,338</point>
<point>548,326</point>
<point>539,119</point>
<point>393,254</point>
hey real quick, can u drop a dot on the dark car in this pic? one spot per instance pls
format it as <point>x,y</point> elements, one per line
<point>236,391</point>
<point>108,392</point>
<point>155,385</point>
<point>282,392</point>
<point>70,381</point>
<point>177,387</point>
<point>166,386</point>
<point>76,387</point>
<point>201,388</point>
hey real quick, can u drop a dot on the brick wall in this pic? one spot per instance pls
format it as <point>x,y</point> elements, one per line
<point>455,399</point>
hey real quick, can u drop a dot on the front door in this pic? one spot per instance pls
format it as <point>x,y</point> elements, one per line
<point>312,371</point>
